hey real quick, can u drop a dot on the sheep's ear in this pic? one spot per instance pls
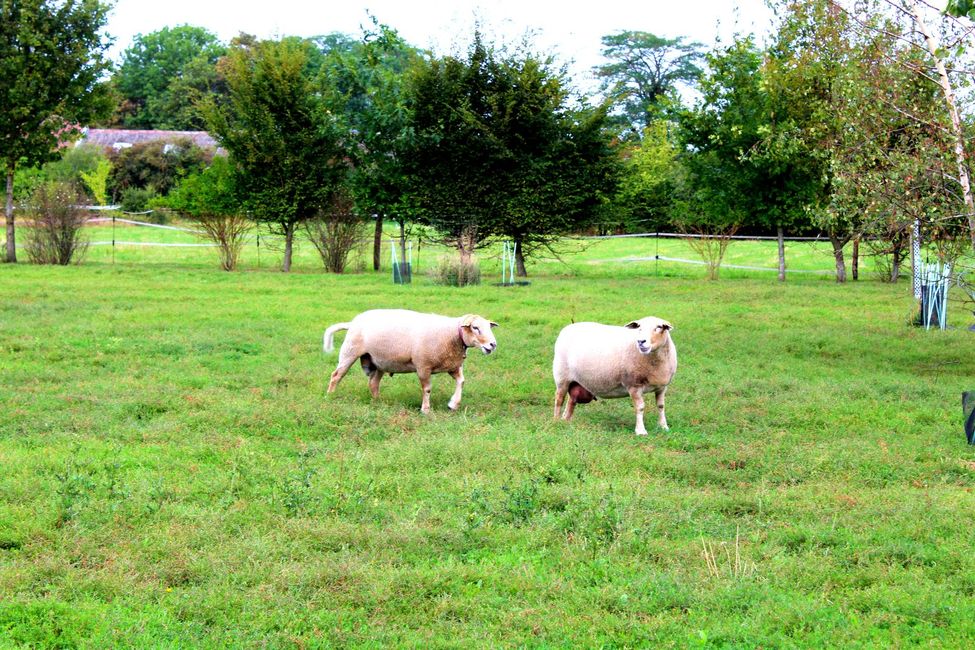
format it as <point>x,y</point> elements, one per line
<point>632,325</point>
<point>665,327</point>
<point>467,319</point>
<point>493,324</point>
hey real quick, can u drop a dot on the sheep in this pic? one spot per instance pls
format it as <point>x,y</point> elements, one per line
<point>595,360</point>
<point>400,340</point>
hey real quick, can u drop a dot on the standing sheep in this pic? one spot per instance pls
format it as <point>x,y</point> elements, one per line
<point>594,360</point>
<point>399,340</point>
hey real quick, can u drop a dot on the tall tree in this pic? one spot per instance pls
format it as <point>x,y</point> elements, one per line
<point>556,168</point>
<point>289,148</point>
<point>51,60</point>
<point>451,165</point>
<point>643,69</point>
<point>369,80</point>
<point>163,75</point>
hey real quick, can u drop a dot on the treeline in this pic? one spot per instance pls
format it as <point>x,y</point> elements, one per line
<point>842,125</point>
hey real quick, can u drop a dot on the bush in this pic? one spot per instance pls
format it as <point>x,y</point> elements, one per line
<point>57,213</point>
<point>135,199</point>
<point>454,273</point>
<point>335,232</point>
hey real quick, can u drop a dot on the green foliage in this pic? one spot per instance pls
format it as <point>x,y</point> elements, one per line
<point>367,79</point>
<point>135,199</point>
<point>289,148</point>
<point>499,153</point>
<point>164,74</point>
<point>745,160</point>
<point>211,191</point>
<point>644,70</point>
<point>149,167</point>
<point>96,180</point>
<point>651,176</point>
<point>961,8</point>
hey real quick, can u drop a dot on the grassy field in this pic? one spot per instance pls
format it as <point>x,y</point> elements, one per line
<point>174,476</point>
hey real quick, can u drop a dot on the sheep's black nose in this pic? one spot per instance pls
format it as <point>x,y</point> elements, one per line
<point>642,342</point>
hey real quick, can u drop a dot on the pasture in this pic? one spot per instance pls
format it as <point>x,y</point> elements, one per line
<point>174,476</point>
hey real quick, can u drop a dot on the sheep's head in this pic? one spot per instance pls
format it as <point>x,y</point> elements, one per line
<point>476,332</point>
<point>651,333</point>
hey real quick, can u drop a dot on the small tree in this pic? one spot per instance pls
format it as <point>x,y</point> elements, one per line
<point>57,212</point>
<point>211,200</point>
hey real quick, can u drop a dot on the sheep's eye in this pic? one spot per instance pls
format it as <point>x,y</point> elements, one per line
<point>476,329</point>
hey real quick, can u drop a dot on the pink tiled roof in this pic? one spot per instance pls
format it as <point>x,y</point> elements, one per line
<point>111,137</point>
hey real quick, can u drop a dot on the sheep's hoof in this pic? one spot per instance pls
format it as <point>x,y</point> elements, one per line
<point>641,433</point>
<point>453,407</point>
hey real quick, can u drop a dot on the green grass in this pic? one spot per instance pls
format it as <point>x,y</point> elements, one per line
<point>174,476</point>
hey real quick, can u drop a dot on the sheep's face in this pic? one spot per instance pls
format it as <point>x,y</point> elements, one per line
<point>476,332</point>
<point>651,333</point>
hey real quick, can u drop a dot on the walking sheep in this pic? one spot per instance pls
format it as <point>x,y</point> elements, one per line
<point>594,360</point>
<point>399,340</point>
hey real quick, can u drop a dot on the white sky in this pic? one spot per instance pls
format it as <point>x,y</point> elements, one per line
<point>569,30</point>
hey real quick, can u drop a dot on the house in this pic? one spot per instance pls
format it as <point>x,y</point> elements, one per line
<point>118,139</point>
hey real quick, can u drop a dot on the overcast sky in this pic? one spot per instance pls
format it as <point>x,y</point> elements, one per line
<point>569,30</point>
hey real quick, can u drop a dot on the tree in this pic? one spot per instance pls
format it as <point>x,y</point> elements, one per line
<point>644,68</point>
<point>211,198</point>
<point>289,148</point>
<point>51,60</point>
<point>556,168</point>
<point>498,152</point>
<point>369,80</point>
<point>164,74</point>
<point>452,163</point>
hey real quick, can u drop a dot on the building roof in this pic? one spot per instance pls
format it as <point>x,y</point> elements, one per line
<point>123,138</point>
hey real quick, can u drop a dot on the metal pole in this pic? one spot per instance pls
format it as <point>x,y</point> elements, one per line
<point>113,240</point>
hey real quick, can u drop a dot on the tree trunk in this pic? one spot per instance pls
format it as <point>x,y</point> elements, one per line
<point>520,269</point>
<point>377,244</point>
<point>781,238</point>
<point>11,242</point>
<point>895,264</point>
<point>289,239</point>
<point>856,259</point>
<point>956,126</point>
<point>465,254</point>
<point>838,255</point>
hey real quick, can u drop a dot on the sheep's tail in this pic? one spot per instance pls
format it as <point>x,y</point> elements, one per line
<point>330,333</point>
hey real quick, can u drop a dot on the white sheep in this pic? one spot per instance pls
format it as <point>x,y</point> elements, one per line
<point>594,360</point>
<point>399,340</point>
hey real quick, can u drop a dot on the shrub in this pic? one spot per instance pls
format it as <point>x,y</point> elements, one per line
<point>455,273</point>
<point>135,199</point>
<point>57,213</point>
<point>335,232</point>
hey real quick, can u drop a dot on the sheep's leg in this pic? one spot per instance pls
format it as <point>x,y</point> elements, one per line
<point>458,376</point>
<point>424,377</point>
<point>661,416</point>
<point>636,394</point>
<point>345,362</point>
<point>560,392</point>
<point>570,408</point>
<point>374,382</point>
